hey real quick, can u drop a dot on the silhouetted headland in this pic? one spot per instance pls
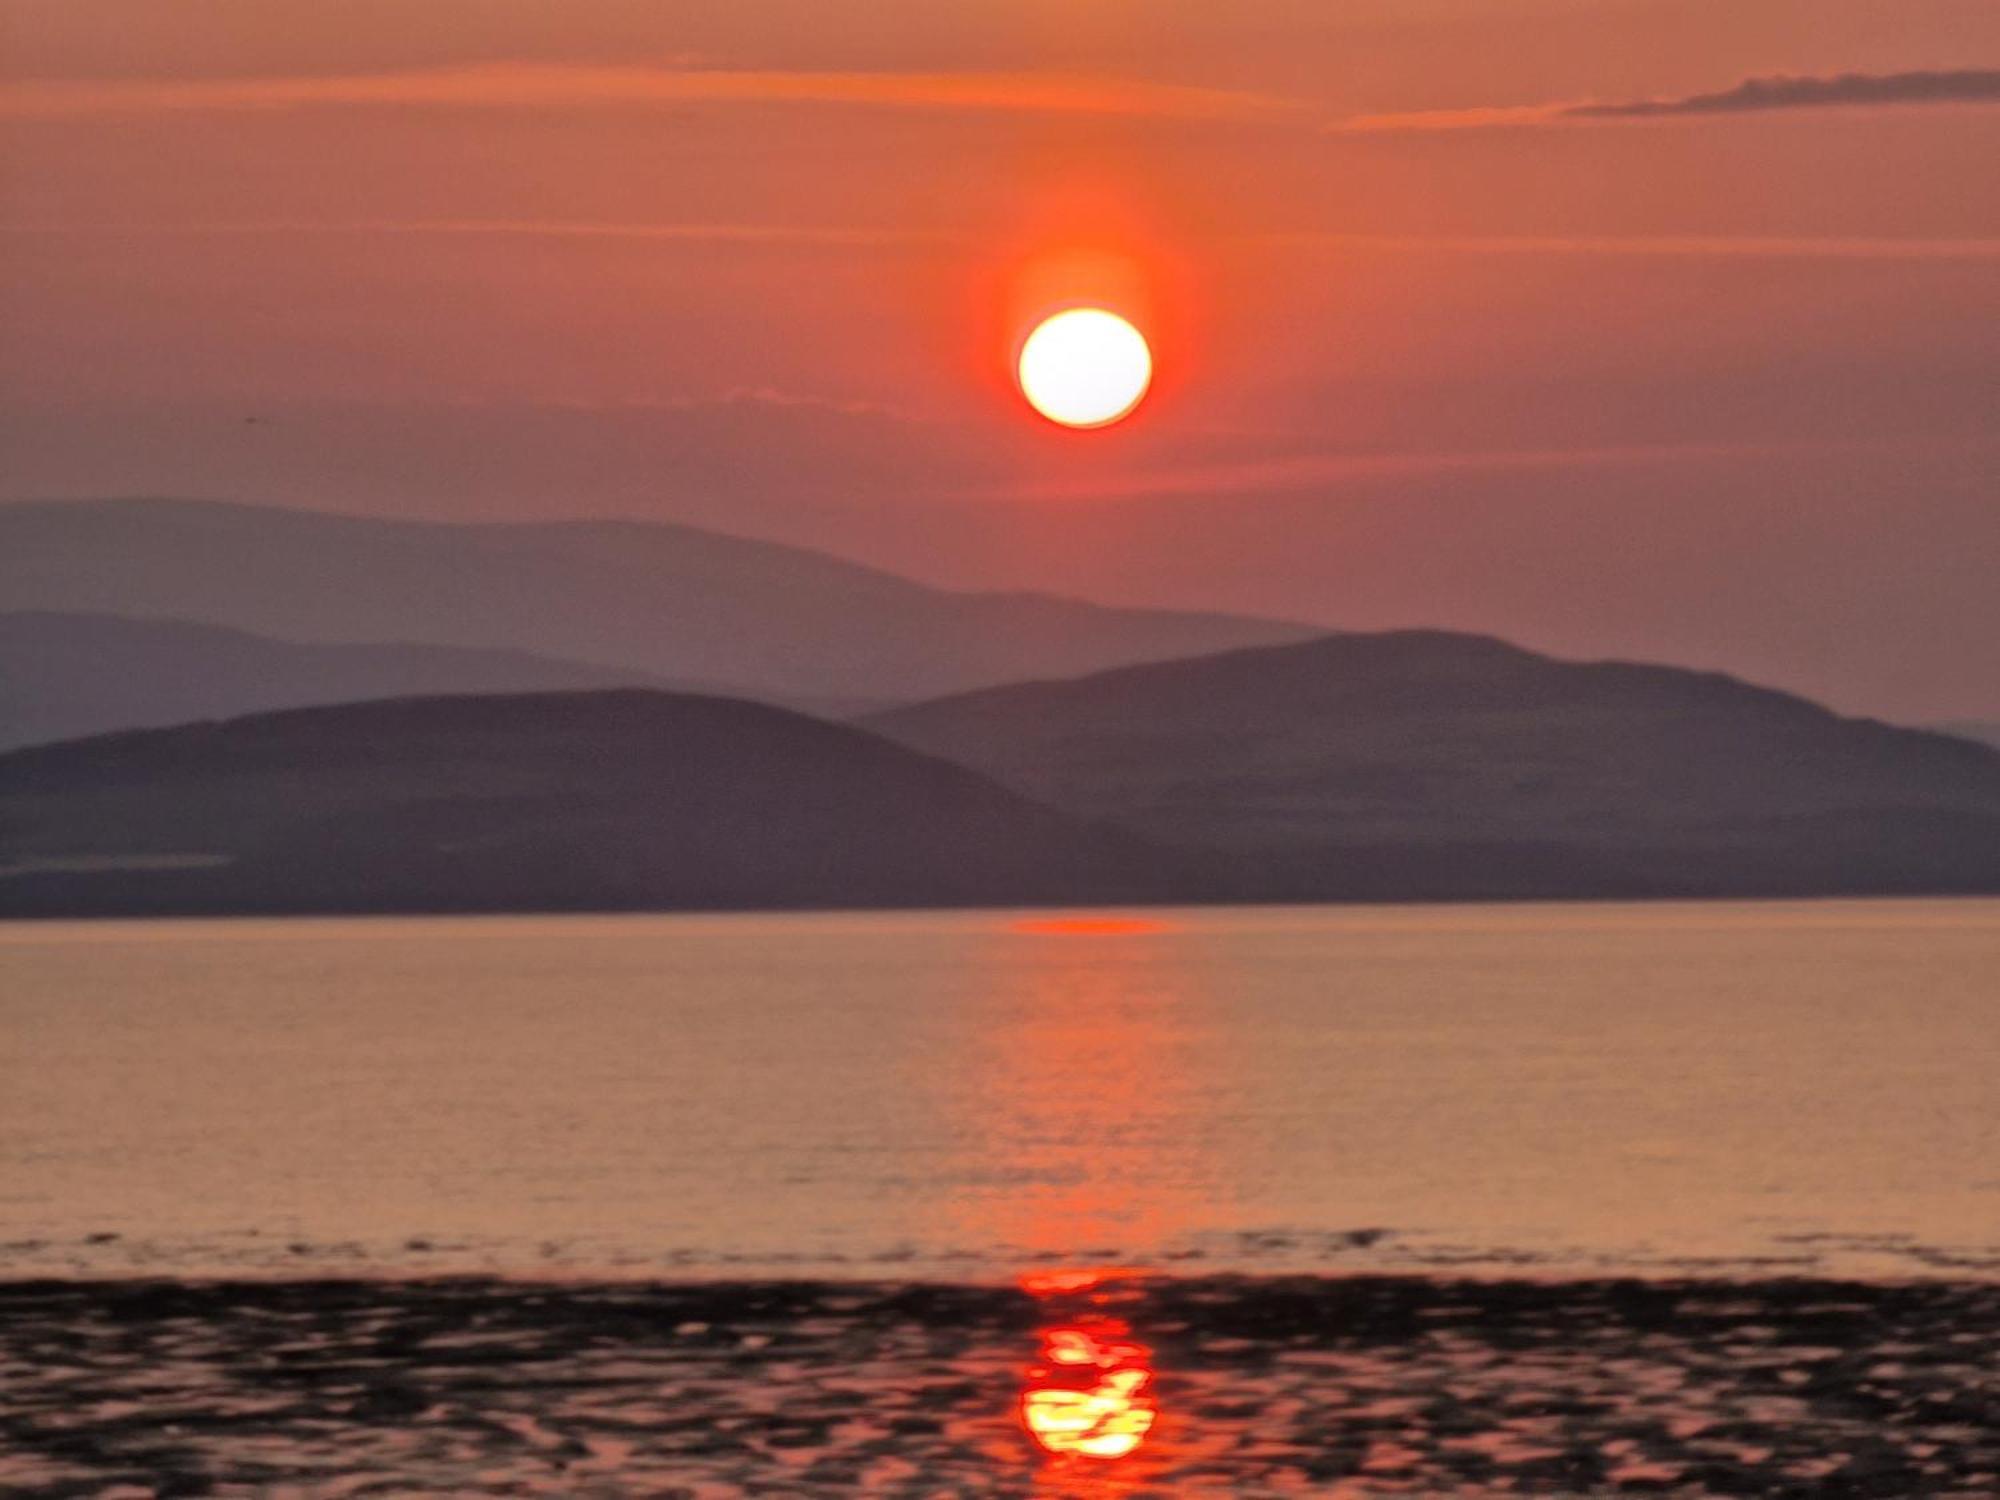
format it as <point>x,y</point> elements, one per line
<point>1427,764</point>
<point>557,802</point>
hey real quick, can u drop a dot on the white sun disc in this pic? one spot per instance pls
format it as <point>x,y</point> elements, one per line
<point>1085,368</point>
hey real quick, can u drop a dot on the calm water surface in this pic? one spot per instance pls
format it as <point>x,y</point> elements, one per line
<point>1562,1089</point>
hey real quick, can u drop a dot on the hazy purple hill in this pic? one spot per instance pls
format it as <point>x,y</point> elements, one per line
<point>64,676</point>
<point>670,602</point>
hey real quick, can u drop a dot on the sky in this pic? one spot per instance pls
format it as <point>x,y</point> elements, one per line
<point>1665,329</point>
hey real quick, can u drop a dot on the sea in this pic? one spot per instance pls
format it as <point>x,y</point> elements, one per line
<point>1547,1090</point>
<point>1558,1200</point>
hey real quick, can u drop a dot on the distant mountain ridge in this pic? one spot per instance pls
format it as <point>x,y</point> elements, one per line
<point>553,802</point>
<point>1427,763</point>
<point>66,676</point>
<point>672,603</point>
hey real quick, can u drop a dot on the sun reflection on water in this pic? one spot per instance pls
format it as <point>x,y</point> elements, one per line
<point>1080,1110</point>
<point>1089,926</point>
<point>1091,1392</point>
<point>1086,1155</point>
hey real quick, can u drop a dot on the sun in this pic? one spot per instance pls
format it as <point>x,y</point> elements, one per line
<point>1085,368</point>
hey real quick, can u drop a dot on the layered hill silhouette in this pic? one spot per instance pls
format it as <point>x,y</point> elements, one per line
<point>1985,731</point>
<point>64,676</point>
<point>1413,765</point>
<point>550,802</point>
<point>1434,764</point>
<point>667,602</point>
<point>1405,765</point>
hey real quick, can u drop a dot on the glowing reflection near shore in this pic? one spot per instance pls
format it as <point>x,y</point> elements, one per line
<point>1091,1392</point>
<point>1093,926</point>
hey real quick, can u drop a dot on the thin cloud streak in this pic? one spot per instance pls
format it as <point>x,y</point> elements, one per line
<point>1766,247</point>
<point>1681,245</point>
<point>1429,121</point>
<point>724,234</point>
<point>538,85</point>
<point>769,397</point>
<point>1311,470</point>
<point>1964,86</point>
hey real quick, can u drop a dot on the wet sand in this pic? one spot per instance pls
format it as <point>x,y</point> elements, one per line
<point>1356,1386</point>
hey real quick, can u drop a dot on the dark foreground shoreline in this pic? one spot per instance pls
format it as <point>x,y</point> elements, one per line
<point>1348,1386</point>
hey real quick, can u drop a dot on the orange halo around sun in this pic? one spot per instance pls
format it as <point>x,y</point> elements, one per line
<point>1085,368</point>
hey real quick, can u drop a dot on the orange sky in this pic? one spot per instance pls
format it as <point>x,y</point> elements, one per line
<point>1703,374</point>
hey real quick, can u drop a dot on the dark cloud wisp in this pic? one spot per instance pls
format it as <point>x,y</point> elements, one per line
<point>1961,86</point>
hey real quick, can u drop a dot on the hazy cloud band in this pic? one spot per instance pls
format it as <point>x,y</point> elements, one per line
<point>537,85</point>
<point>833,237</point>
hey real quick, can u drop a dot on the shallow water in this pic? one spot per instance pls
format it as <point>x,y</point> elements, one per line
<point>1325,1386</point>
<point>1731,1089</point>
